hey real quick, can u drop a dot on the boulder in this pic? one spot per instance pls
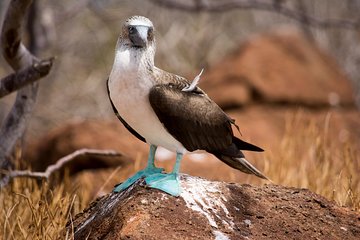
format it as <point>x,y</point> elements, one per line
<point>281,67</point>
<point>76,135</point>
<point>215,210</point>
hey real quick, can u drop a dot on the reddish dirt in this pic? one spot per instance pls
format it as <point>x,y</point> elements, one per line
<point>278,67</point>
<point>238,211</point>
<point>289,213</point>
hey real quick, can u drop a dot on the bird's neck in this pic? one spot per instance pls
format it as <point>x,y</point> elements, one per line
<point>129,60</point>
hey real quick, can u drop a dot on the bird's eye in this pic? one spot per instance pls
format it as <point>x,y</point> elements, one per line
<point>150,34</point>
<point>131,30</point>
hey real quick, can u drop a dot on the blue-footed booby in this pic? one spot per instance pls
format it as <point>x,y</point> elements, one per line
<point>164,109</point>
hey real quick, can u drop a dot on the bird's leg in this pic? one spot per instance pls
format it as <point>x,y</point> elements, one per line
<point>148,171</point>
<point>151,158</point>
<point>150,168</point>
<point>177,163</point>
<point>168,183</point>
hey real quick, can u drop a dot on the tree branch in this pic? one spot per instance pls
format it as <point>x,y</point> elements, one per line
<point>14,52</point>
<point>270,6</point>
<point>61,162</point>
<point>19,58</point>
<point>17,80</point>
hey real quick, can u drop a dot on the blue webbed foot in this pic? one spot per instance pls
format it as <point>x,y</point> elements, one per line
<point>141,174</point>
<point>168,183</point>
<point>154,177</point>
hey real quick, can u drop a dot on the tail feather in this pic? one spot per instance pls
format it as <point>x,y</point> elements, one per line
<point>242,164</point>
<point>242,145</point>
<point>233,157</point>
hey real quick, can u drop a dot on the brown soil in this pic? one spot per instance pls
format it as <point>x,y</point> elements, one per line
<point>216,210</point>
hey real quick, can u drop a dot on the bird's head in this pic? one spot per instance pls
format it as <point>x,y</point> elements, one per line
<point>137,38</point>
<point>137,33</point>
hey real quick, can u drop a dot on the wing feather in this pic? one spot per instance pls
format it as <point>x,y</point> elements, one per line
<point>192,118</point>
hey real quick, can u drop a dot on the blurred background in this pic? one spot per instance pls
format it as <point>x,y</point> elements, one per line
<point>82,36</point>
<point>287,71</point>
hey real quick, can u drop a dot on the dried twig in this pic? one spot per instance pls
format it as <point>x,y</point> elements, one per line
<point>270,6</point>
<point>61,162</point>
<point>17,80</point>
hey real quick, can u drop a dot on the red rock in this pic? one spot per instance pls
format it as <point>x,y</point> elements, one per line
<point>85,134</point>
<point>215,210</point>
<point>282,67</point>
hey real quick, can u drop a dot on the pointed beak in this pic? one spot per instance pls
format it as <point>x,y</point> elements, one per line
<point>138,36</point>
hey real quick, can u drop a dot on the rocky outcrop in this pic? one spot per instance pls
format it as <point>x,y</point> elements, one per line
<point>280,67</point>
<point>215,210</point>
<point>84,134</point>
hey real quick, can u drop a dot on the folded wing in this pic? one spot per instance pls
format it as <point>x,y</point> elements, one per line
<point>192,118</point>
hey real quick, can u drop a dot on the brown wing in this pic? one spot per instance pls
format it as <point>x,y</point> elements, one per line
<point>192,118</point>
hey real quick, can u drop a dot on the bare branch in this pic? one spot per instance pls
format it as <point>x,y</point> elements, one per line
<point>13,50</point>
<point>61,162</point>
<point>17,80</point>
<point>270,6</point>
<point>19,58</point>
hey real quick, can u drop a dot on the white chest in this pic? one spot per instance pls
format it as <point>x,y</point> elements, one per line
<point>130,96</point>
<point>129,89</point>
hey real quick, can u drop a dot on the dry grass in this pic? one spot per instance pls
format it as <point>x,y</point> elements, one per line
<point>33,211</point>
<point>307,157</point>
<point>310,157</point>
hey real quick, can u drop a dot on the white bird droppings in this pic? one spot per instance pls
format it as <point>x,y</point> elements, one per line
<point>247,222</point>
<point>205,197</point>
<point>220,236</point>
